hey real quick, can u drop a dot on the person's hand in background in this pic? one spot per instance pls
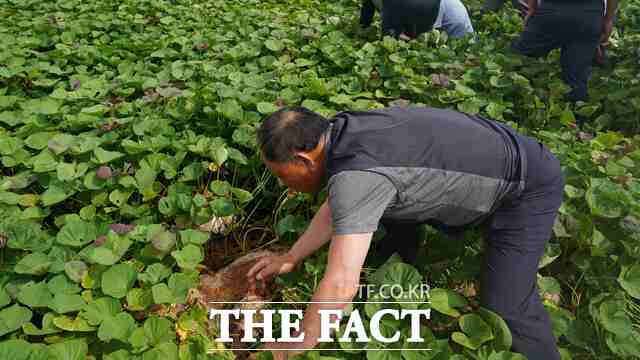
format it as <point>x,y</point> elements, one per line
<point>607,29</point>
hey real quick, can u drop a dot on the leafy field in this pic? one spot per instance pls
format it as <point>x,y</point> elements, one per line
<point>126,125</point>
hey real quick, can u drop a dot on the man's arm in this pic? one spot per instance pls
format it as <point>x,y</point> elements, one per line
<point>337,288</point>
<point>366,13</point>
<point>340,282</point>
<point>317,234</point>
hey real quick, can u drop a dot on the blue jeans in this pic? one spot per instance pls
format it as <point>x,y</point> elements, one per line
<point>454,19</point>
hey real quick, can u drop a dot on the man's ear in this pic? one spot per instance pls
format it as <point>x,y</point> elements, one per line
<point>304,158</point>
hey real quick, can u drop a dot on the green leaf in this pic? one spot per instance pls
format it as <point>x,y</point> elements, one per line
<point>162,294</point>
<point>38,141</point>
<point>180,283</point>
<point>138,340</point>
<point>629,279</point>
<point>231,110</point>
<point>291,224</point>
<point>551,252</point>
<point>155,273</point>
<point>158,330</point>
<point>624,346</point>
<point>35,295</point>
<point>118,355</point>
<point>4,298</point>
<point>220,188</point>
<point>48,327</point>
<point>384,355</point>
<point>119,197</point>
<point>507,355</point>
<point>11,118</point>
<point>104,157</point>
<point>69,350</point>
<point>53,195</point>
<point>274,45</point>
<point>614,318</point>
<point>139,299</point>
<point>266,108</point>
<point>93,278</point>
<point>95,312</point>
<point>242,195</point>
<point>22,350</point>
<point>45,106</point>
<point>476,332</point>
<point>9,145</point>
<point>606,199</point>
<point>118,280</point>
<point>446,301</point>
<point>60,143</point>
<point>68,323</point>
<point>503,338</point>
<point>13,317</point>
<point>103,256</point>
<point>75,270</point>
<point>66,171</point>
<point>62,284</point>
<point>397,273</point>
<point>33,264</point>
<point>66,303</point>
<point>17,182</point>
<point>26,236</point>
<point>219,154</point>
<point>145,177</point>
<point>163,242</point>
<point>222,207</point>
<point>191,236</point>
<point>98,109</point>
<point>45,161</point>
<point>237,156</point>
<point>189,257</point>
<point>117,327</point>
<point>164,351</point>
<point>76,232</point>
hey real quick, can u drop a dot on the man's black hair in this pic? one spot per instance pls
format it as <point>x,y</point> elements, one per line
<point>288,130</point>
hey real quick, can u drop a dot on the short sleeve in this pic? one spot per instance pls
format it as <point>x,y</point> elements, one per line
<point>357,200</point>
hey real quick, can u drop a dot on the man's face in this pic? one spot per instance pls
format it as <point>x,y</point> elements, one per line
<point>302,175</point>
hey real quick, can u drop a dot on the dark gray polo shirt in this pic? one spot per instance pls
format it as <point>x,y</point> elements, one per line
<point>419,165</point>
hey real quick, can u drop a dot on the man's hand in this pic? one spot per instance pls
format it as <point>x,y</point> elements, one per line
<point>532,6</point>
<point>270,266</point>
<point>607,29</point>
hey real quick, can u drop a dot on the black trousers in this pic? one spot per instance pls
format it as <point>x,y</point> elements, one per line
<point>516,236</point>
<point>574,28</point>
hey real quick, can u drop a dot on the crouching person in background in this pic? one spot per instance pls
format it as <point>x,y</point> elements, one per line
<point>414,17</point>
